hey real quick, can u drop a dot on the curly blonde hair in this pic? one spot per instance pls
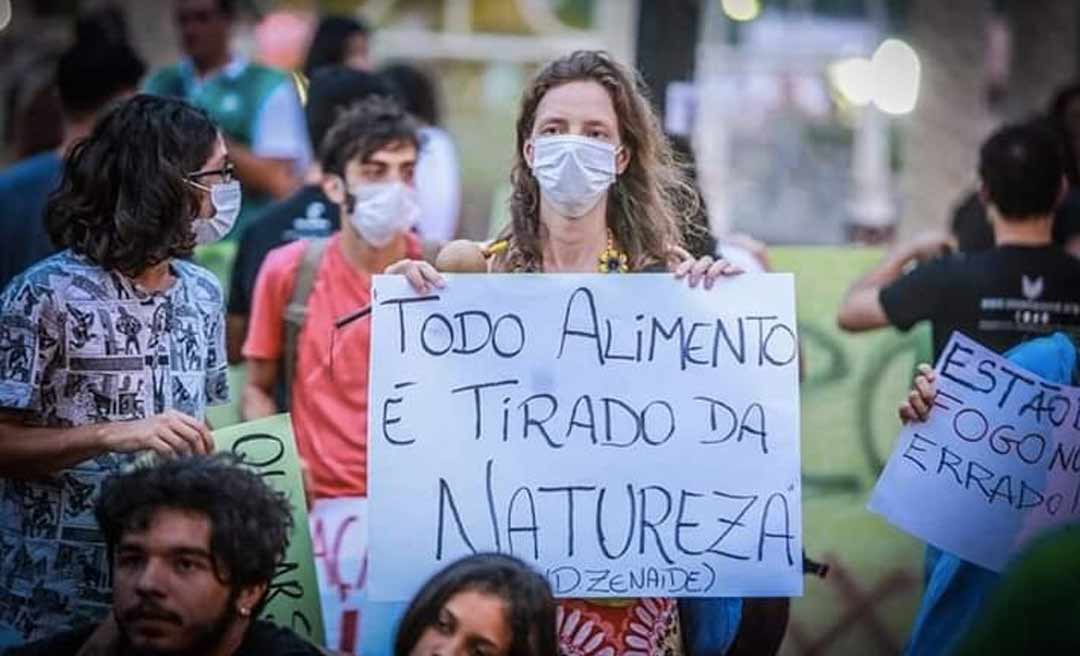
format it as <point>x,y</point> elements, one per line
<point>650,202</point>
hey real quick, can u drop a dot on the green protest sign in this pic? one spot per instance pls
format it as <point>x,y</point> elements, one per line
<point>267,445</point>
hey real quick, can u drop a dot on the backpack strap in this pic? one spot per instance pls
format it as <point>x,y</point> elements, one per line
<point>296,311</point>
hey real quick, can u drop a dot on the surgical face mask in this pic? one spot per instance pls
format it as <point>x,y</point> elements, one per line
<point>383,210</point>
<point>225,197</point>
<point>573,172</point>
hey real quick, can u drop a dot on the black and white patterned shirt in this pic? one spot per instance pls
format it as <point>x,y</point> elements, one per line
<point>81,345</point>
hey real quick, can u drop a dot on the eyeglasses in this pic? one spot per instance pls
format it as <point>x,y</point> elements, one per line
<point>225,173</point>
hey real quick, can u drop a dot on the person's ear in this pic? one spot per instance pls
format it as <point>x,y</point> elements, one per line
<point>248,598</point>
<point>527,153</point>
<point>622,159</point>
<point>334,188</point>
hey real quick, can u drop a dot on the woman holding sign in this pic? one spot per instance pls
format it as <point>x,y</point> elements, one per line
<point>596,187</point>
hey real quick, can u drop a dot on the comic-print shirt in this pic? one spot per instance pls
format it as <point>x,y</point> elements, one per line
<point>81,345</point>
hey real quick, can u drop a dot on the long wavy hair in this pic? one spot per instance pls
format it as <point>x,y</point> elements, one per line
<point>122,201</point>
<point>650,202</point>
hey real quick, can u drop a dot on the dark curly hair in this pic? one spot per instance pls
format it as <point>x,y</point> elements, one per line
<point>122,201</point>
<point>250,522</point>
<point>530,606</point>
<point>365,128</point>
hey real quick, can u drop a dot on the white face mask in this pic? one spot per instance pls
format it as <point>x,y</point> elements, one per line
<point>225,198</point>
<point>573,172</point>
<point>383,210</point>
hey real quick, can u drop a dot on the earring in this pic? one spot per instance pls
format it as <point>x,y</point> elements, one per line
<point>244,611</point>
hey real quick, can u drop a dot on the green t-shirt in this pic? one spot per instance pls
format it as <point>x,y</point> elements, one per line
<point>234,99</point>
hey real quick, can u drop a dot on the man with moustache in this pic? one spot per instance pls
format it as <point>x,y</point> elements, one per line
<point>194,543</point>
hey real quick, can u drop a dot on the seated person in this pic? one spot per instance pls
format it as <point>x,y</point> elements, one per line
<point>485,604</point>
<point>193,544</point>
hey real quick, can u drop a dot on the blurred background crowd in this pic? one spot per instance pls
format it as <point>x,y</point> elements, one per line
<point>812,121</point>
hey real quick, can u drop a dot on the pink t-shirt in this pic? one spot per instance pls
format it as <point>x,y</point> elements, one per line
<point>330,393</point>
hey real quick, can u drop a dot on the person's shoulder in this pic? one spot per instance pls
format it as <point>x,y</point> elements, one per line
<point>1068,261</point>
<point>953,262</point>
<point>264,233</point>
<point>262,70</point>
<point>53,273</point>
<point>283,262</point>
<point>32,171</point>
<point>954,271</point>
<point>61,644</point>
<point>164,77</point>
<point>202,278</point>
<point>264,78</point>
<point>276,218</point>
<point>266,639</point>
<point>169,70</point>
<point>1052,357</point>
<point>287,255</point>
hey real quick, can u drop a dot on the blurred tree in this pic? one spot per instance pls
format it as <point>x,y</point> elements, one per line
<point>667,37</point>
<point>952,116</point>
<point>1044,47</point>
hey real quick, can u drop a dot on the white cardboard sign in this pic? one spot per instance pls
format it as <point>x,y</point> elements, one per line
<point>626,435</point>
<point>997,462</point>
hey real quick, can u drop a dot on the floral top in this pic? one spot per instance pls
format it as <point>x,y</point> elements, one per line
<point>634,627</point>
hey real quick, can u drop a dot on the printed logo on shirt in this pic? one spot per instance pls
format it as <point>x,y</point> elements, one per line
<point>314,224</point>
<point>1032,287</point>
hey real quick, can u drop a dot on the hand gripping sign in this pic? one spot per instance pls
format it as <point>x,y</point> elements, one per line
<point>626,435</point>
<point>997,462</point>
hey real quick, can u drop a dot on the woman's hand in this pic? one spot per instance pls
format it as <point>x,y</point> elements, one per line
<point>421,275</point>
<point>921,398</point>
<point>705,268</point>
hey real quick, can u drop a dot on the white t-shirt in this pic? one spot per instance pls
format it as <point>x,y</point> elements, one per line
<point>438,185</point>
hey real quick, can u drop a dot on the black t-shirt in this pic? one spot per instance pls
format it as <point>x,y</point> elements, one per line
<point>999,297</point>
<point>262,639</point>
<point>307,214</point>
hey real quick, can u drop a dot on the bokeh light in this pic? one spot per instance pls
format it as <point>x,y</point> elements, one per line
<point>854,79</point>
<point>889,80</point>
<point>741,10</point>
<point>896,72</point>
